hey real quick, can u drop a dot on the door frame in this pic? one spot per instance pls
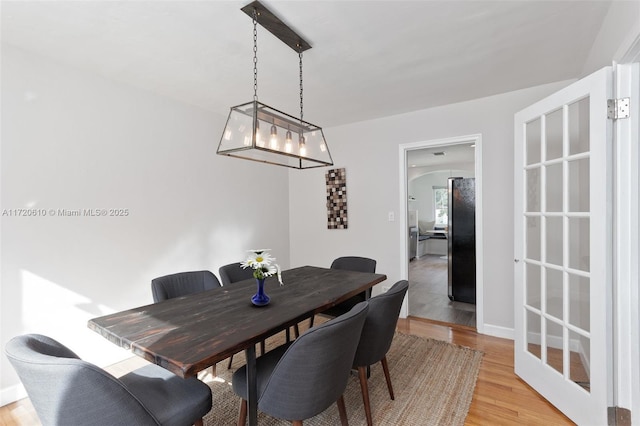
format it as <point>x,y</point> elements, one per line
<point>626,223</point>
<point>404,209</point>
<point>626,248</point>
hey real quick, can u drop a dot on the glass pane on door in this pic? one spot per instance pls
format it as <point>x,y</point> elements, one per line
<point>534,296</point>
<point>554,240</point>
<point>554,188</point>
<point>533,145</point>
<point>579,243</point>
<point>554,293</point>
<point>554,345</point>
<point>533,239</point>
<point>579,360</point>
<point>579,127</point>
<point>553,133</point>
<point>579,303</point>
<point>533,333</point>
<point>579,185</point>
<point>533,190</point>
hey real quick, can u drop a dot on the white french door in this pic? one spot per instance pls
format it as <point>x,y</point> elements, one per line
<point>563,255</point>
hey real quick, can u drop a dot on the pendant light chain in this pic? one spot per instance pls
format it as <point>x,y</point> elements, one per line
<point>255,55</point>
<point>301,104</point>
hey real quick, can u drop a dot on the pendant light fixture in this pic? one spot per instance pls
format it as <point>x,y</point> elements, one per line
<point>258,132</point>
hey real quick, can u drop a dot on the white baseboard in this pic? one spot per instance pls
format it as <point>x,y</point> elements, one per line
<point>498,331</point>
<point>12,394</point>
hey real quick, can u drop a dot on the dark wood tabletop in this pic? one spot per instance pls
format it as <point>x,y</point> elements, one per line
<point>189,334</point>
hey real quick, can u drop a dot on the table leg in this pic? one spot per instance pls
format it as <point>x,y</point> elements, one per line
<point>252,387</point>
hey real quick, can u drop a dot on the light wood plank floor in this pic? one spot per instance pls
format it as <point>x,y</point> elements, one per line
<point>500,397</point>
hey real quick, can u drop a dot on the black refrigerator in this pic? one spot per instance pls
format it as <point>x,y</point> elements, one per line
<point>461,237</point>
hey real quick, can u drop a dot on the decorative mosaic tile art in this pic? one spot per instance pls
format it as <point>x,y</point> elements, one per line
<point>336,199</point>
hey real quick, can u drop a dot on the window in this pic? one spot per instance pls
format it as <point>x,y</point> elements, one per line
<point>441,205</point>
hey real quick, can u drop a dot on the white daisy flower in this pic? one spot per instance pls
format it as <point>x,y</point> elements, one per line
<point>262,264</point>
<point>258,259</point>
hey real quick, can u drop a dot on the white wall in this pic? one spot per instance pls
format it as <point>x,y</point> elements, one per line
<point>72,140</point>
<point>369,152</point>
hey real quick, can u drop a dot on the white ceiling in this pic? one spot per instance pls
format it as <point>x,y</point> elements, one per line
<point>369,58</point>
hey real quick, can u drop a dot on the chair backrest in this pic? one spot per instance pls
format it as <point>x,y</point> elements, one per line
<point>233,273</point>
<point>380,325</point>
<point>66,390</point>
<point>182,284</point>
<point>313,372</point>
<point>354,263</point>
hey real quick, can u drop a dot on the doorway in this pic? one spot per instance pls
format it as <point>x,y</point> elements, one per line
<point>425,169</point>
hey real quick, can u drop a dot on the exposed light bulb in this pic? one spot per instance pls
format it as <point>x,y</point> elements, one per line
<point>303,147</point>
<point>273,142</point>
<point>259,141</point>
<point>323,147</point>
<point>287,145</point>
<point>227,135</point>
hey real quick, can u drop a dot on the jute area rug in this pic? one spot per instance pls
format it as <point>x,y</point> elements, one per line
<point>433,383</point>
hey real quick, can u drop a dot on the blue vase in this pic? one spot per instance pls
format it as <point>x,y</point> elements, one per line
<point>260,298</point>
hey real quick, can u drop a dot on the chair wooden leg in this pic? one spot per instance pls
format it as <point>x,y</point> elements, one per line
<point>296,331</point>
<point>343,411</point>
<point>385,368</point>
<point>242,415</point>
<point>262,351</point>
<point>296,422</point>
<point>364,386</point>
<point>311,321</point>
<point>198,422</point>
<point>230,362</point>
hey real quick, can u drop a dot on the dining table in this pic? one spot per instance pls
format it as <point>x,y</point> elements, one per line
<point>188,334</point>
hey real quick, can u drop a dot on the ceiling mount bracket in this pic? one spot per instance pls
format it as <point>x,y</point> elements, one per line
<point>275,26</point>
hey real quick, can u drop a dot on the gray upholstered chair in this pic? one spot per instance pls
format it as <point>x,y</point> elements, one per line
<point>66,390</point>
<point>233,273</point>
<point>182,284</point>
<point>354,263</point>
<point>303,378</point>
<point>376,338</point>
<point>350,263</point>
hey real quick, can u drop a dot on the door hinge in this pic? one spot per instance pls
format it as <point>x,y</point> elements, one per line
<point>617,108</point>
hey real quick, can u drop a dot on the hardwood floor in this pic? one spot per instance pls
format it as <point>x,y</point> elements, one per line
<point>428,296</point>
<point>500,397</point>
